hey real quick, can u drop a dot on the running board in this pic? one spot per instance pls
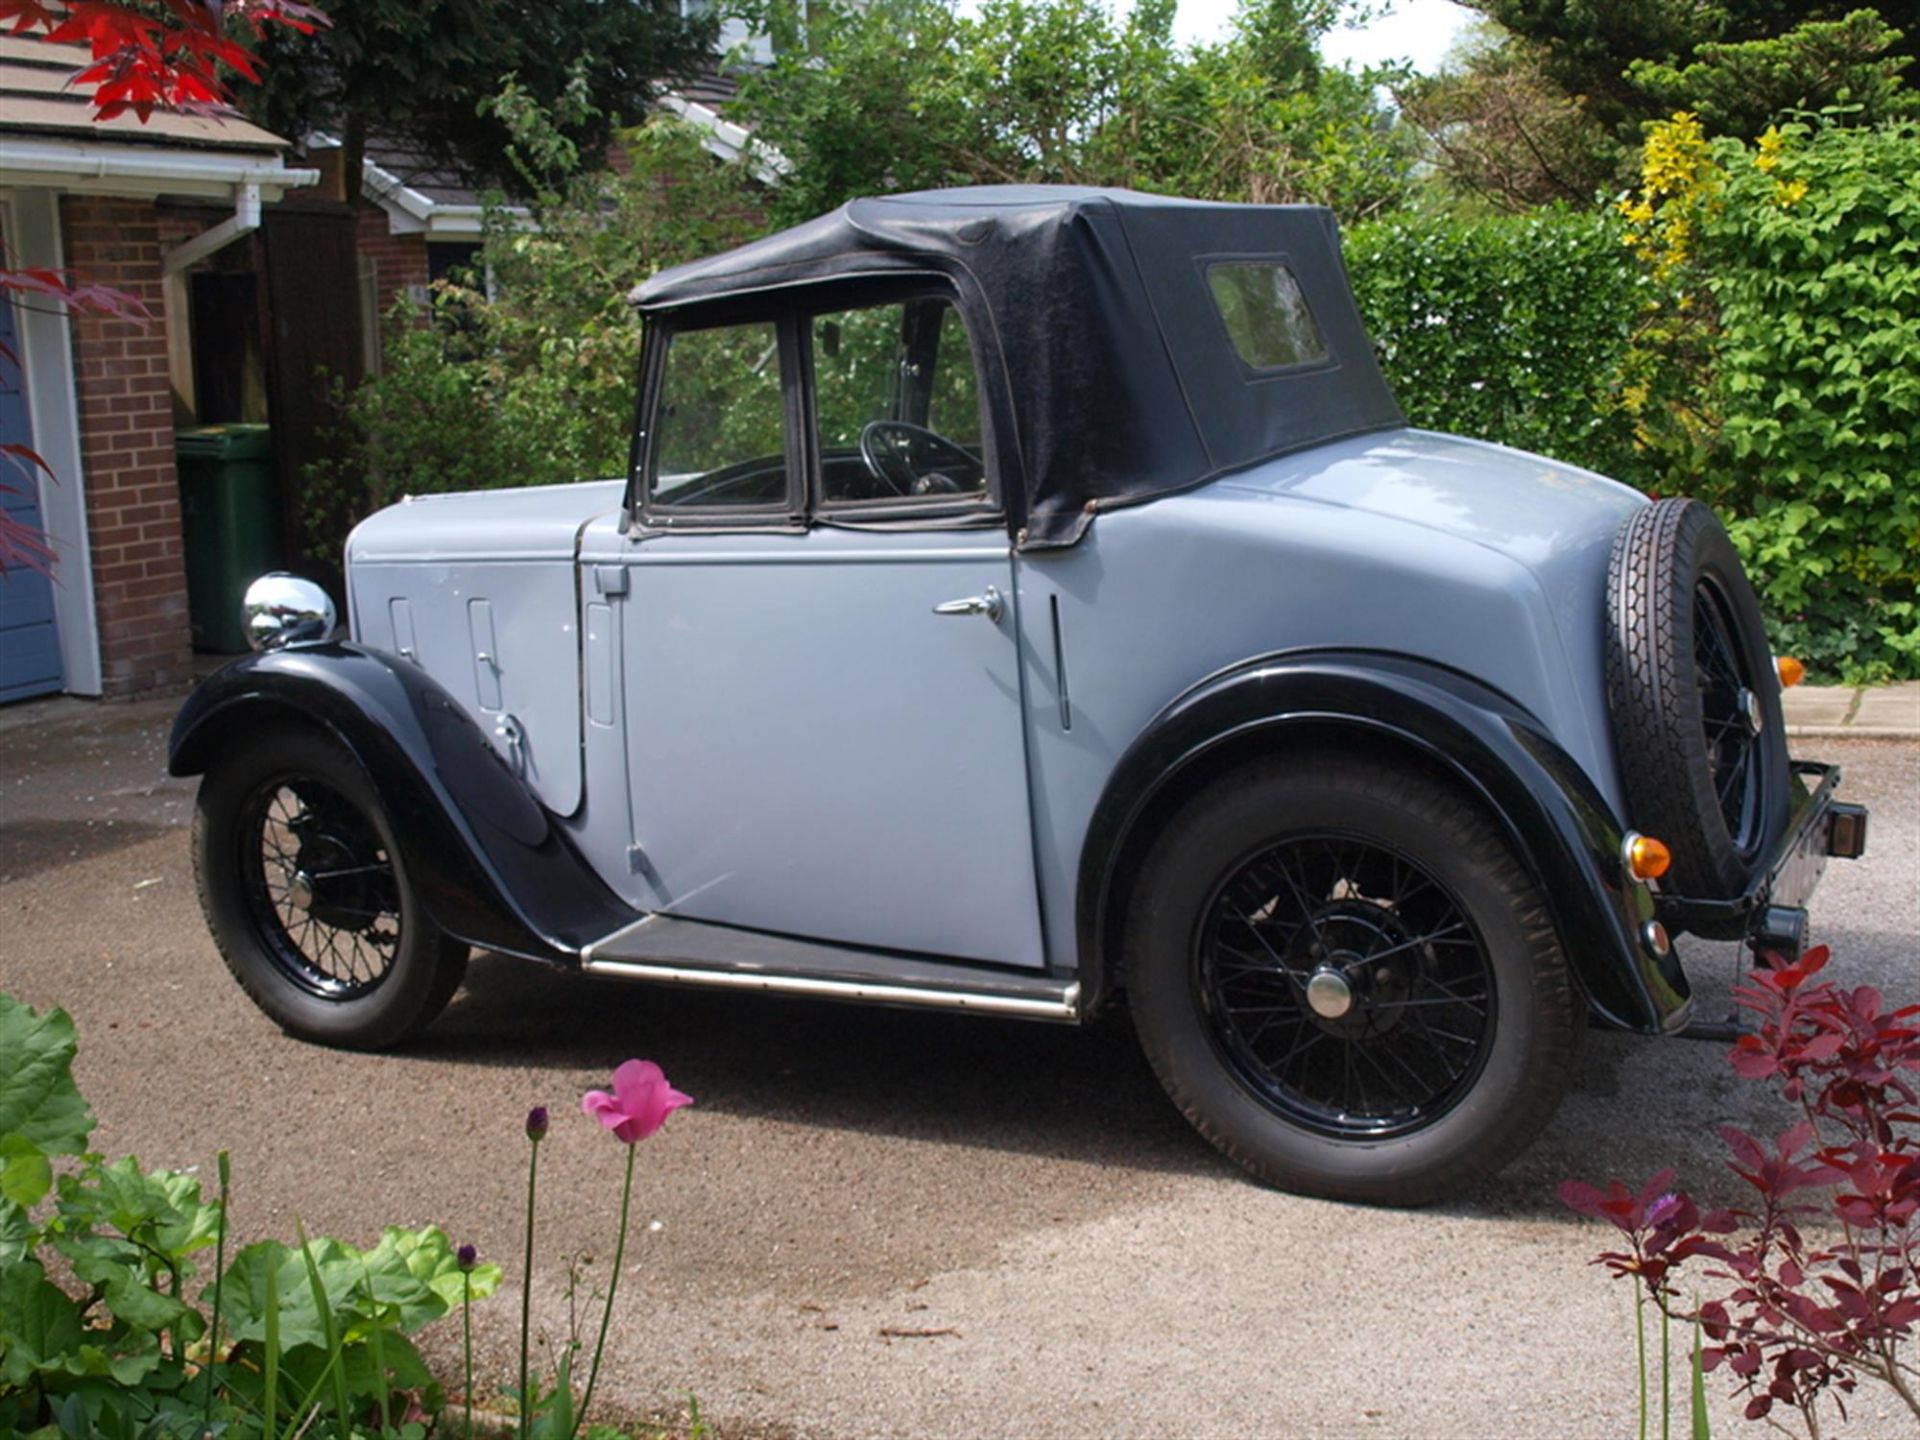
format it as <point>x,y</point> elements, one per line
<point>673,951</point>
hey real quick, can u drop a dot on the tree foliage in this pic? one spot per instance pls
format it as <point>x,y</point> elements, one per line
<point>416,71</point>
<point>530,379</point>
<point>1505,134</point>
<point>1738,87</point>
<point>1750,60</point>
<point>911,94</point>
<point>1552,108</point>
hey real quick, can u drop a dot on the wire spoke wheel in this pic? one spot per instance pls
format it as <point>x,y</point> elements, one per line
<point>309,897</point>
<point>1345,978</point>
<point>1345,986</point>
<point>1729,717</point>
<point>322,887</point>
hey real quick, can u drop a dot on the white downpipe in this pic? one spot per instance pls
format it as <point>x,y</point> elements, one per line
<point>244,221</point>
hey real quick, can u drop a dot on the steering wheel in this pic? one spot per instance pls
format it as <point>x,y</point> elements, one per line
<point>887,447</point>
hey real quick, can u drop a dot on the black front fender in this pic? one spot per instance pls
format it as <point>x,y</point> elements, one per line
<point>1558,822</point>
<point>491,866</point>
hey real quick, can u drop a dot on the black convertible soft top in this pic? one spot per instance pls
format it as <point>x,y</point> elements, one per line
<point>1100,308</point>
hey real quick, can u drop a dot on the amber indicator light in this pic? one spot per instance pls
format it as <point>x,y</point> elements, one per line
<point>1647,858</point>
<point>1790,670</point>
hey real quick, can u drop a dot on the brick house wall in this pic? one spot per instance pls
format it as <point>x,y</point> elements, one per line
<point>126,429</point>
<point>399,262</point>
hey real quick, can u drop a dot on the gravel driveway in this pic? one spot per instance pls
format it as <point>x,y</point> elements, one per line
<point>1079,1262</point>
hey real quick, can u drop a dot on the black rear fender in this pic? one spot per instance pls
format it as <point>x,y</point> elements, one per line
<point>491,866</point>
<point>1405,711</point>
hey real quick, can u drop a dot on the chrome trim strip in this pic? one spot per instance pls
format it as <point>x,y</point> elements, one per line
<point>1064,1008</point>
<point>590,953</point>
<point>813,557</point>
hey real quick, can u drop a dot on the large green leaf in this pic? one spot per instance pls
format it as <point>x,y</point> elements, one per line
<point>42,1333</point>
<point>430,1258</point>
<point>269,1276</point>
<point>25,1174</point>
<point>125,1277</point>
<point>410,1278</point>
<point>160,1209</point>
<point>38,1098</point>
<point>17,1233</point>
<point>39,1325</point>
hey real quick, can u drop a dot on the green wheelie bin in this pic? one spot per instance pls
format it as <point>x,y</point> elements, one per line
<point>230,526</point>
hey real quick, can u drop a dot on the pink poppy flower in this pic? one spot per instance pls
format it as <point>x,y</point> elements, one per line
<point>640,1103</point>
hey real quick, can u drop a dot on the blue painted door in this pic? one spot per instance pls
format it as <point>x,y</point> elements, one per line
<point>29,645</point>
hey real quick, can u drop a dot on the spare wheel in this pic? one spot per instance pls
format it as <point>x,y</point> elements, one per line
<point>1695,699</point>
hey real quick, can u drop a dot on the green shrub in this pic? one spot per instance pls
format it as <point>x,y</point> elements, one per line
<point>529,380</point>
<point>108,1329</point>
<point>1812,260</point>
<point>1510,329</point>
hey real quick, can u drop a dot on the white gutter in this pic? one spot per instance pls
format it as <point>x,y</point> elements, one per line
<point>731,142</point>
<point>411,213</point>
<point>244,221</point>
<point>142,170</point>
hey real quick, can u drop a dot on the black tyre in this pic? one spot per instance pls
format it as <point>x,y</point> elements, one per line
<point>308,898</point>
<point>1347,982</point>
<point>1695,700</point>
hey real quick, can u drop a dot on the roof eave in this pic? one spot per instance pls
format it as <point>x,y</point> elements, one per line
<point>142,171</point>
<point>724,139</point>
<point>409,212</point>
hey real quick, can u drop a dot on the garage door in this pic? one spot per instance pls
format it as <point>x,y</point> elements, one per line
<point>29,647</point>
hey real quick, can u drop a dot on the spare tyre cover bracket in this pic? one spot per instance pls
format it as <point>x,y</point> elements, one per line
<point>1788,879</point>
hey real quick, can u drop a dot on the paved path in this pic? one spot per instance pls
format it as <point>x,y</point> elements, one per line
<point>1886,712</point>
<point>1087,1265</point>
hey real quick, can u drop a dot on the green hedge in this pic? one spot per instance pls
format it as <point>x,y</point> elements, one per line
<point>1786,349</point>
<point>1812,259</point>
<point>1510,328</point>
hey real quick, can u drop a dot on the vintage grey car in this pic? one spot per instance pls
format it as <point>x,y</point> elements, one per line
<point>1021,599</point>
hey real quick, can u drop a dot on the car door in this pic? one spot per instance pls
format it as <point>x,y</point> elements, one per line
<point>824,731</point>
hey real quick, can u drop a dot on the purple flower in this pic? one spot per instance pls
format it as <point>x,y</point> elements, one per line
<point>465,1256</point>
<point>537,1124</point>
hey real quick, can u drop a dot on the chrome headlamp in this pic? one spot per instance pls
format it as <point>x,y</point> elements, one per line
<point>280,609</point>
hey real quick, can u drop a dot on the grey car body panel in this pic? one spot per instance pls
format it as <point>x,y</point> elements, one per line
<point>812,749</point>
<point>772,729</point>
<point>1497,572</point>
<point>479,589</point>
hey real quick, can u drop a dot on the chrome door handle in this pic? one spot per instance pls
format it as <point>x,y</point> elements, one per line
<point>989,605</point>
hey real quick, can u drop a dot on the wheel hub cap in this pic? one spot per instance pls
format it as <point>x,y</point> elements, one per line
<point>1329,994</point>
<point>1750,703</point>
<point>300,891</point>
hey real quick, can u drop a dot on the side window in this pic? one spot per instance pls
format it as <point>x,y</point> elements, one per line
<point>719,433</point>
<point>1265,314</point>
<point>897,405</point>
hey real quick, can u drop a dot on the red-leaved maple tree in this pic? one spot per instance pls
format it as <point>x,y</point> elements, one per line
<point>146,55</point>
<point>1819,1274</point>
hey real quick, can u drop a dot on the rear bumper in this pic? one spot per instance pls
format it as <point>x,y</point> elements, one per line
<point>1772,915</point>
